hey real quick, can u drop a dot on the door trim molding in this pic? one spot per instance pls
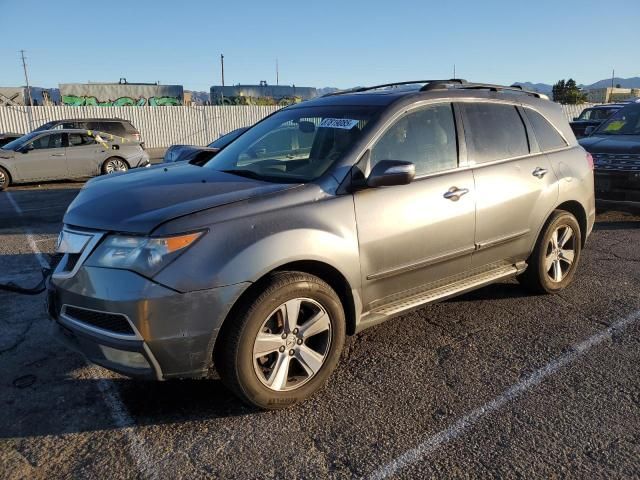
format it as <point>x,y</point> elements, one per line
<point>422,263</point>
<point>500,240</point>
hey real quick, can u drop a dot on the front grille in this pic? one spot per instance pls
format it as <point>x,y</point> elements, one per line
<point>627,162</point>
<point>111,322</point>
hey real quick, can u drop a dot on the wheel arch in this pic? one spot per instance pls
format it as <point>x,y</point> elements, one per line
<point>578,211</point>
<point>322,270</point>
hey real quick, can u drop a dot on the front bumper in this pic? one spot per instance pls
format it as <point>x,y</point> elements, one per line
<point>157,333</point>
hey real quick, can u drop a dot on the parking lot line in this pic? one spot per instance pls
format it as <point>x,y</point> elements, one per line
<point>432,443</point>
<point>120,415</point>
<point>30,239</point>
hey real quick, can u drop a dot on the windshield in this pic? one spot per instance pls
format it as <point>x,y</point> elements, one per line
<point>295,145</point>
<point>597,113</point>
<point>226,139</point>
<point>625,121</point>
<point>18,142</point>
<point>46,126</point>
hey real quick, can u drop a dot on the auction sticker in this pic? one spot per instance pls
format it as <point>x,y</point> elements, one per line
<point>345,123</point>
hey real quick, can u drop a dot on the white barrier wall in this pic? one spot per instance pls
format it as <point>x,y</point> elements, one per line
<point>162,126</point>
<point>159,126</point>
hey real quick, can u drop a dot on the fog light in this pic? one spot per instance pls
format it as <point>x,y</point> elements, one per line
<point>123,357</point>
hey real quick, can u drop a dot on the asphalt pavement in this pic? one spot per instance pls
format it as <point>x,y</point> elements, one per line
<point>496,383</point>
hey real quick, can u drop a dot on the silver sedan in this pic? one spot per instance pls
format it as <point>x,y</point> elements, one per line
<point>67,153</point>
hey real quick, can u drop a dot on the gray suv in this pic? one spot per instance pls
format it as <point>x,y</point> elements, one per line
<point>260,262</point>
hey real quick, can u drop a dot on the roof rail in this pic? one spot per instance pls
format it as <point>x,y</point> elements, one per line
<point>497,88</point>
<point>397,84</point>
<point>456,83</point>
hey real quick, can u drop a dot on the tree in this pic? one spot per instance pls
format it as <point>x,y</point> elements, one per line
<point>568,92</point>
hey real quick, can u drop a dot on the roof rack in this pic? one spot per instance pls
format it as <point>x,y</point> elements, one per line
<point>396,84</point>
<point>498,88</point>
<point>457,83</point>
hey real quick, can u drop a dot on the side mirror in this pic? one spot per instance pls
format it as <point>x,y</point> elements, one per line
<point>589,130</point>
<point>26,148</point>
<point>387,173</point>
<point>575,119</point>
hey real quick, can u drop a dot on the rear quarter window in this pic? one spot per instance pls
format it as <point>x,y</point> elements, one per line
<point>116,128</point>
<point>547,136</point>
<point>494,131</point>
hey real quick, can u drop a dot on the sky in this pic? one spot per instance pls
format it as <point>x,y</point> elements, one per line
<point>319,44</point>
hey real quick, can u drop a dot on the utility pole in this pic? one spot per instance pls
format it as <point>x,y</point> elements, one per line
<point>608,98</point>
<point>277,73</point>
<point>26,79</point>
<point>454,70</point>
<point>222,70</point>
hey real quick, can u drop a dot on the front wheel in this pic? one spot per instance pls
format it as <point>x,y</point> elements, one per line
<point>4,179</point>
<point>284,345</point>
<point>555,257</point>
<point>114,164</point>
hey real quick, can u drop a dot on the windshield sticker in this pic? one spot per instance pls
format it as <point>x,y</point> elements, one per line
<point>344,123</point>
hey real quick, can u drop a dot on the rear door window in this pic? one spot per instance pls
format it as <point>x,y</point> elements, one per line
<point>494,131</point>
<point>80,139</point>
<point>547,136</point>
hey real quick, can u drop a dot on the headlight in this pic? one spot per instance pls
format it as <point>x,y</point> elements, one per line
<point>145,255</point>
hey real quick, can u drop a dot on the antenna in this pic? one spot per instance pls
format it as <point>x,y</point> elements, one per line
<point>26,79</point>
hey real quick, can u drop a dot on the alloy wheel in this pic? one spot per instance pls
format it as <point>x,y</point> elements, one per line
<point>560,253</point>
<point>3,180</point>
<point>292,344</point>
<point>116,165</point>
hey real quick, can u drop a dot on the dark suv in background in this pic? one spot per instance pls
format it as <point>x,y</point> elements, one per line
<point>593,117</point>
<point>115,126</point>
<point>615,147</point>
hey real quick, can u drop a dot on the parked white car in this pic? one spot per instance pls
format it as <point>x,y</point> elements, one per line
<point>67,153</point>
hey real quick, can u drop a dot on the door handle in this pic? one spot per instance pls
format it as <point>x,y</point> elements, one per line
<point>539,172</point>
<point>454,193</point>
<point>57,154</point>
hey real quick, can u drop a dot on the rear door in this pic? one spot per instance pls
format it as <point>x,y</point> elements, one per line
<point>415,234</point>
<point>516,187</point>
<point>83,155</point>
<point>45,159</point>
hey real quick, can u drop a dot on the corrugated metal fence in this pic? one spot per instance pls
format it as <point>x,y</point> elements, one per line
<point>163,126</point>
<point>159,126</point>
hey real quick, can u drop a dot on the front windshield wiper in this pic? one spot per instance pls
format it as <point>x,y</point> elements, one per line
<point>264,178</point>
<point>244,173</point>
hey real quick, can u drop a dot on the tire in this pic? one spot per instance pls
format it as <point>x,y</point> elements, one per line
<point>279,378</point>
<point>5,179</point>
<point>552,266</point>
<point>114,164</point>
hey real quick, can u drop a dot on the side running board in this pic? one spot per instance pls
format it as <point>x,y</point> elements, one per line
<point>445,291</point>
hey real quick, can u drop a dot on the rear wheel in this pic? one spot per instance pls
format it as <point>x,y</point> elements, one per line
<point>114,164</point>
<point>4,179</point>
<point>555,258</point>
<point>284,345</point>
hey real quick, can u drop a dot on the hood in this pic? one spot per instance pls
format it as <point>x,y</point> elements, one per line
<point>623,144</point>
<point>140,200</point>
<point>6,153</point>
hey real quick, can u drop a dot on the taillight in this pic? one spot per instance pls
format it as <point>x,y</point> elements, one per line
<point>590,160</point>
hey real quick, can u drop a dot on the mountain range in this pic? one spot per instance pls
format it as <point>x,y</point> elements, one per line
<point>633,82</point>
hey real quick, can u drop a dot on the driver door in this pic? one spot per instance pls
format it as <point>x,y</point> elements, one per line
<point>43,158</point>
<point>412,235</point>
